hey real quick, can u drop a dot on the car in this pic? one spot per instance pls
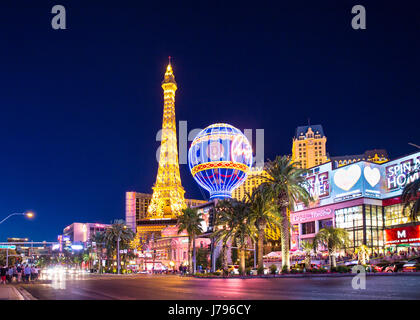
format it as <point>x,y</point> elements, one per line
<point>254,271</point>
<point>301,266</point>
<point>233,269</point>
<point>395,266</point>
<point>351,263</point>
<point>411,265</point>
<point>380,267</point>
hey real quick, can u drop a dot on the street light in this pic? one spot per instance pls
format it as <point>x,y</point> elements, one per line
<point>118,250</point>
<point>28,214</point>
<point>414,145</point>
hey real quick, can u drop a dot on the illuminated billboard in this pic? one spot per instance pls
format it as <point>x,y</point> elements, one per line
<point>360,179</point>
<point>398,173</point>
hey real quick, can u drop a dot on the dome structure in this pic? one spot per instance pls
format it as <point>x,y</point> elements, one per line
<point>219,159</point>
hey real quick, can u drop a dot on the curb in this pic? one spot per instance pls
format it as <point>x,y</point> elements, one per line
<point>23,294</point>
<point>336,275</point>
<point>17,293</point>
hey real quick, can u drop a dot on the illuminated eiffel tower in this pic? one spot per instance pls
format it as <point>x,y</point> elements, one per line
<point>168,193</point>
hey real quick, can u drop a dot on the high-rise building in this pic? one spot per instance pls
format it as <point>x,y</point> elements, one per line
<point>83,232</point>
<point>168,193</point>
<point>254,179</point>
<point>309,146</point>
<point>137,204</point>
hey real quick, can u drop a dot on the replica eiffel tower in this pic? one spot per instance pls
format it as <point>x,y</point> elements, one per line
<point>168,194</point>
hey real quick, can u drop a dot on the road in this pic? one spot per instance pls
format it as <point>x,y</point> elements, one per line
<point>173,287</point>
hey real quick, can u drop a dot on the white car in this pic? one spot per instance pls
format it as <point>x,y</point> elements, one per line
<point>254,271</point>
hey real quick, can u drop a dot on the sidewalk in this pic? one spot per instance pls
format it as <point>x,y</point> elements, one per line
<point>9,292</point>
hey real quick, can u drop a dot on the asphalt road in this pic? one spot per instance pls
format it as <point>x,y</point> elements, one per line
<point>173,287</point>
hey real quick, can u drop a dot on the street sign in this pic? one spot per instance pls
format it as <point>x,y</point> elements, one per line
<point>7,246</point>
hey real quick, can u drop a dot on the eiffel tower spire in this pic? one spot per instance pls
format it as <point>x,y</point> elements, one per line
<point>168,193</point>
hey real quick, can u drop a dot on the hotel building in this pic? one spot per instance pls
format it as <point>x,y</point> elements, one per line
<point>363,198</point>
<point>309,146</point>
<point>82,232</point>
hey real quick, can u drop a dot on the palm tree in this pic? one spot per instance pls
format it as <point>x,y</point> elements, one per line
<point>362,253</point>
<point>333,239</point>
<point>99,239</point>
<point>307,248</point>
<point>263,214</point>
<point>222,215</point>
<point>234,224</point>
<point>287,185</point>
<point>190,221</point>
<point>410,196</point>
<point>118,237</point>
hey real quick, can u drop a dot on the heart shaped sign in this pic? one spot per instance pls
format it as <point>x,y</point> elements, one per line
<point>372,176</point>
<point>346,178</point>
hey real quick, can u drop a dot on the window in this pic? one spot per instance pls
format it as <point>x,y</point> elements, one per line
<point>308,227</point>
<point>324,223</point>
<point>394,215</point>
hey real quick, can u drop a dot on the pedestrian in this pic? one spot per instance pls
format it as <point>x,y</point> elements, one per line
<point>27,273</point>
<point>3,274</point>
<point>15,274</point>
<point>10,275</point>
<point>32,273</point>
<point>19,273</point>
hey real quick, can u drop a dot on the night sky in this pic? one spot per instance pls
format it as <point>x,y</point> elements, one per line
<point>80,108</point>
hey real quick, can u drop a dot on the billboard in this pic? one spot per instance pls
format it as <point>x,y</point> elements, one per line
<point>360,179</point>
<point>404,235</point>
<point>398,173</point>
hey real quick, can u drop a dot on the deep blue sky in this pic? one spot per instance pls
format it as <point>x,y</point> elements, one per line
<point>80,107</point>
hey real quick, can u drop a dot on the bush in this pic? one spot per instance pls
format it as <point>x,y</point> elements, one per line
<point>284,270</point>
<point>273,269</point>
<point>341,269</point>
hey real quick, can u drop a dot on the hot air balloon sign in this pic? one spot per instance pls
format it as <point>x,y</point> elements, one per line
<point>219,159</point>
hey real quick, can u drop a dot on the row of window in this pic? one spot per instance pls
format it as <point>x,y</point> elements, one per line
<point>351,219</point>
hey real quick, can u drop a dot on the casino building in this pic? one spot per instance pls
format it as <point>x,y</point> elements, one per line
<point>364,198</point>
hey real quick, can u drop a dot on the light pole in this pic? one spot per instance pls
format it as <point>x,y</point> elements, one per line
<point>118,250</point>
<point>414,145</point>
<point>28,214</point>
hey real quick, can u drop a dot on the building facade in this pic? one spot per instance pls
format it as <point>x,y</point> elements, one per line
<point>375,155</point>
<point>309,146</point>
<point>362,198</point>
<point>254,179</point>
<point>81,233</point>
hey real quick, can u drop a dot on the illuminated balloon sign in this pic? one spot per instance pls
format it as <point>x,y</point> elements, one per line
<point>219,159</point>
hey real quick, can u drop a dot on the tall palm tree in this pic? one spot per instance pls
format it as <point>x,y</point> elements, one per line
<point>307,248</point>
<point>411,195</point>
<point>118,235</point>
<point>234,224</point>
<point>263,214</point>
<point>288,186</point>
<point>333,239</point>
<point>190,220</point>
